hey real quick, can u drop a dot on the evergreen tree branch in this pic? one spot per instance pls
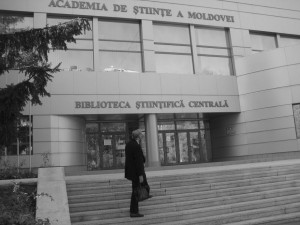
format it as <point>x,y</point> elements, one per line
<point>27,51</point>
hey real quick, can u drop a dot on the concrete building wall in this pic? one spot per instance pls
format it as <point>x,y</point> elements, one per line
<point>268,85</point>
<point>59,140</point>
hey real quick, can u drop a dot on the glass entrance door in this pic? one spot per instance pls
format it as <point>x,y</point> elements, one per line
<point>113,151</point>
<point>194,147</point>
<point>106,146</point>
<point>182,147</point>
<point>107,153</point>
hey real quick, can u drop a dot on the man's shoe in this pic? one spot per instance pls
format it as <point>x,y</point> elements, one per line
<point>136,215</point>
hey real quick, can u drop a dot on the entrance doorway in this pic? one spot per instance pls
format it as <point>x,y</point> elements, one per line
<point>112,150</point>
<point>106,137</point>
<point>183,139</point>
<point>106,145</point>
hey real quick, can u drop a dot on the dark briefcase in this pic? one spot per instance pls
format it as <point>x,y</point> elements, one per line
<point>141,192</point>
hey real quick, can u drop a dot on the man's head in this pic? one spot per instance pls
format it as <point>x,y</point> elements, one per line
<point>137,134</point>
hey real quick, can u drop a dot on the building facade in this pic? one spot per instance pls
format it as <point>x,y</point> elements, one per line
<point>206,80</point>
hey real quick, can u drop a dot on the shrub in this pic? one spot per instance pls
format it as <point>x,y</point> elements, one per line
<point>18,204</point>
<point>9,172</point>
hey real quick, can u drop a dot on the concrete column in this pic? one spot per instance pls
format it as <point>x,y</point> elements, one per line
<point>152,140</point>
<point>95,44</point>
<point>194,49</point>
<point>148,49</point>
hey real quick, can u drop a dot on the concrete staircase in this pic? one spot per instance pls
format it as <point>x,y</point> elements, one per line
<point>257,193</point>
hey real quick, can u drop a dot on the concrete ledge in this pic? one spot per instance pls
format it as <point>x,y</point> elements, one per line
<point>51,181</point>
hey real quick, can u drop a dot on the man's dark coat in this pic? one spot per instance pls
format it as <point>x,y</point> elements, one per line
<point>134,160</point>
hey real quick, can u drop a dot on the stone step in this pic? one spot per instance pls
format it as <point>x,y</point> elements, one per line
<point>198,203</point>
<point>232,218</point>
<point>215,215</point>
<point>190,186</point>
<point>287,219</point>
<point>199,194</point>
<point>201,177</point>
<point>169,208</point>
<point>213,197</point>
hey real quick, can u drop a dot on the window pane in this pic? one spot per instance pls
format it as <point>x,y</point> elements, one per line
<point>213,51</point>
<point>112,127</point>
<point>262,42</point>
<point>54,21</point>
<point>173,49</point>
<point>93,158</point>
<point>171,34</point>
<point>183,147</point>
<point>12,149</point>
<point>171,148</point>
<point>116,30</point>
<point>161,148</point>
<point>166,125</point>
<point>186,116</point>
<point>81,44</point>
<point>185,125</point>
<point>165,116</point>
<point>21,138</point>
<point>92,127</point>
<point>72,59</point>
<point>167,63</point>
<point>211,37</point>
<point>11,23</point>
<point>215,65</point>
<point>121,46</point>
<point>120,61</point>
<point>288,41</point>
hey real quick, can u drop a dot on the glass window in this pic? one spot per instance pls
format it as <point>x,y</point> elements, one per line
<point>211,37</point>
<point>79,56</point>
<point>10,23</point>
<point>72,60</point>
<point>289,40</point>
<point>119,30</point>
<point>187,125</point>
<point>120,46</point>
<point>112,127</point>
<point>171,34</point>
<point>210,65</point>
<point>166,125</point>
<point>214,53</point>
<point>92,127</point>
<point>51,21</point>
<point>120,61</point>
<point>166,63</point>
<point>296,110</point>
<point>186,116</point>
<point>172,49</point>
<point>262,42</point>
<point>22,144</point>
<point>165,116</point>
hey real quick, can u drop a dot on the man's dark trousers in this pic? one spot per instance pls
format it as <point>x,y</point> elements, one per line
<point>134,204</point>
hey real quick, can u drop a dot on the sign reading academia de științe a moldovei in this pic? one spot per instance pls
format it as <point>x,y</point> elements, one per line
<point>140,10</point>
